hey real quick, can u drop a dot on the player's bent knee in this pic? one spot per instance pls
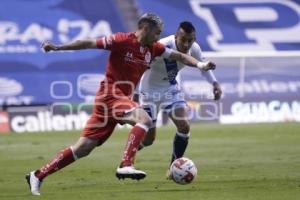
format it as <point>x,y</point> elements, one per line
<point>184,127</point>
<point>140,116</point>
<point>147,121</point>
<point>83,150</point>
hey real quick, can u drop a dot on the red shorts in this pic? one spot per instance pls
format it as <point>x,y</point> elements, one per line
<point>108,110</point>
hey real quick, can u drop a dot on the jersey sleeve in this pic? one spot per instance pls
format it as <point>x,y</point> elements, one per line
<point>167,53</point>
<point>160,49</point>
<point>137,88</point>
<point>110,42</point>
<point>209,76</point>
<point>196,52</point>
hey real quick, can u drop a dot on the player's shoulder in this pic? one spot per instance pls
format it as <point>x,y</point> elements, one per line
<point>195,47</point>
<point>168,41</point>
<point>124,36</point>
<point>158,45</point>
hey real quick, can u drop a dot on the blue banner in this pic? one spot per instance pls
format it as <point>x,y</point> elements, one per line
<point>250,77</point>
<point>30,76</point>
<point>255,89</point>
<point>230,25</point>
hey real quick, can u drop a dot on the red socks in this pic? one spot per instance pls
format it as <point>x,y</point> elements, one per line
<point>66,157</point>
<point>135,137</point>
<point>62,159</point>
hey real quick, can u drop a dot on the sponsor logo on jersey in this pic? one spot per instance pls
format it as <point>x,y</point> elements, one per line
<point>142,49</point>
<point>128,56</point>
<point>148,57</point>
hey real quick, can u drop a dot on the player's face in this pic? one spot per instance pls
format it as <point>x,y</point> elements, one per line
<point>153,34</point>
<point>184,41</point>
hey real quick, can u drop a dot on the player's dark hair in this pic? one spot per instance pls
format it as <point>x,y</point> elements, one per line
<point>188,27</point>
<point>151,19</point>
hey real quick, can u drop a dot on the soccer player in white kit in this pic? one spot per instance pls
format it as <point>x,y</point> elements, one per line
<point>159,90</point>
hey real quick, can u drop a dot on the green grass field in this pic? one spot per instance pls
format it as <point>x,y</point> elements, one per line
<point>237,162</point>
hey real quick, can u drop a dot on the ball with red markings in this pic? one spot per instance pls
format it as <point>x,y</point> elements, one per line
<point>183,171</point>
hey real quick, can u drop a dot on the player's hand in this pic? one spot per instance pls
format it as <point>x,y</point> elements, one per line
<point>48,46</point>
<point>209,66</point>
<point>217,91</point>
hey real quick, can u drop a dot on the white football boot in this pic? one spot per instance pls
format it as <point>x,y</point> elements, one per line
<point>129,172</point>
<point>34,183</point>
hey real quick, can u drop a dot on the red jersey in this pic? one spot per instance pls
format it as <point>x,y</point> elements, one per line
<point>128,60</point>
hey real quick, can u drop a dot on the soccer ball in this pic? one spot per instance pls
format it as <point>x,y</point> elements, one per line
<point>183,171</point>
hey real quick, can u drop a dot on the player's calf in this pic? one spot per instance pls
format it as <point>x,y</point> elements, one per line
<point>180,144</point>
<point>148,139</point>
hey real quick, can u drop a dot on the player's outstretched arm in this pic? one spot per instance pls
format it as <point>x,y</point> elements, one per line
<point>76,45</point>
<point>189,60</point>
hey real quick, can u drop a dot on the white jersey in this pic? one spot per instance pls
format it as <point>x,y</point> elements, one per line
<point>162,73</point>
<point>158,88</point>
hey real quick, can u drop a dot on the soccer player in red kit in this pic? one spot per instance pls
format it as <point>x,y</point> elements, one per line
<point>131,54</point>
